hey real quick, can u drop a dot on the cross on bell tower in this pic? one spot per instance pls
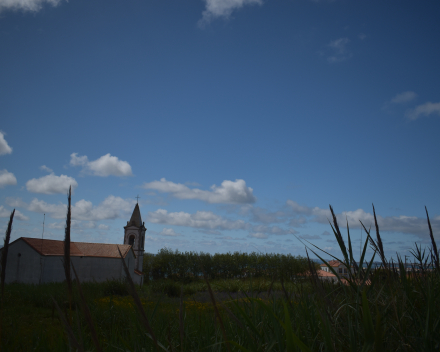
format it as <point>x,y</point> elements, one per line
<point>135,235</point>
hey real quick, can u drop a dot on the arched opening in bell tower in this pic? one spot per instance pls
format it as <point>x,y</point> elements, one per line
<point>131,240</point>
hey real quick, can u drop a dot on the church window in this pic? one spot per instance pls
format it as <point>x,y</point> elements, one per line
<point>131,240</point>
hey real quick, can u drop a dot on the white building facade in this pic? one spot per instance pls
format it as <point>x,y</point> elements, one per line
<point>36,260</point>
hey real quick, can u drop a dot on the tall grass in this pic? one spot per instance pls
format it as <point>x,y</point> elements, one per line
<point>383,309</point>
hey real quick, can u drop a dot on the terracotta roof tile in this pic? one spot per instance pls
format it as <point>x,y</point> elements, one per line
<point>325,273</point>
<point>77,249</point>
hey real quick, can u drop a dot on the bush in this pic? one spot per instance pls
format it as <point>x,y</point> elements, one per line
<point>115,288</point>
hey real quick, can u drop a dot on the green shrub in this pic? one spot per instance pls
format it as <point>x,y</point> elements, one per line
<point>115,288</point>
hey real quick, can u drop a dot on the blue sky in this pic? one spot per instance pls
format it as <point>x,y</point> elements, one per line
<point>237,122</point>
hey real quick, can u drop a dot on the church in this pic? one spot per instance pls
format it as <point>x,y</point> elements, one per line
<point>36,260</point>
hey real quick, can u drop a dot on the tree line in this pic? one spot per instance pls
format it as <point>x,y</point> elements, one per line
<point>191,265</point>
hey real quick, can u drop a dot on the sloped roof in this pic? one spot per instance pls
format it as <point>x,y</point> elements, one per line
<point>136,219</point>
<point>325,273</point>
<point>334,263</point>
<point>78,249</point>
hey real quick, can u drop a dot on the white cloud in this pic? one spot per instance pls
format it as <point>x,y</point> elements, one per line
<point>310,237</point>
<point>26,5</point>
<point>106,165</point>
<point>51,184</point>
<point>235,192</point>
<point>223,8</point>
<point>5,213</point>
<point>200,219</point>
<point>4,146</point>
<point>7,178</point>
<point>262,215</point>
<point>401,224</point>
<point>168,232</point>
<point>103,227</point>
<point>15,202</point>
<point>272,230</point>
<point>423,110</point>
<point>404,97</point>
<point>111,208</point>
<point>258,235</point>
<point>45,168</point>
<point>362,36</point>
<point>339,50</point>
<point>75,224</point>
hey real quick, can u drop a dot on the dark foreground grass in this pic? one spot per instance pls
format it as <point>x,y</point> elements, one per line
<point>388,309</point>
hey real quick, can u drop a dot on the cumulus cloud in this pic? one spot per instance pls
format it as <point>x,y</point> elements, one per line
<point>310,237</point>
<point>75,224</point>
<point>103,227</point>
<point>401,224</point>
<point>233,192</point>
<point>259,235</point>
<point>5,213</point>
<point>272,230</point>
<point>4,146</point>
<point>223,9</point>
<point>423,110</point>
<point>15,202</point>
<point>7,178</point>
<point>106,165</point>
<point>339,50</point>
<point>26,5</point>
<point>168,232</point>
<point>111,208</point>
<point>45,168</point>
<point>262,215</point>
<point>200,219</point>
<point>51,184</point>
<point>403,97</point>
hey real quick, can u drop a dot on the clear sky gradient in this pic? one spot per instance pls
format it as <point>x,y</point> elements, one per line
<point>237,122</point>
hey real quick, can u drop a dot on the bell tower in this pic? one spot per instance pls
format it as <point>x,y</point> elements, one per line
<point>135,236</point>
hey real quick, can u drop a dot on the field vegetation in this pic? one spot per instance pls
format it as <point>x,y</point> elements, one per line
<point>273,303</point>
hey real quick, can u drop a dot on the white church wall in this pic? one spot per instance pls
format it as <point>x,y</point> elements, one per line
<point>23,264</point>
<point>26,265</point>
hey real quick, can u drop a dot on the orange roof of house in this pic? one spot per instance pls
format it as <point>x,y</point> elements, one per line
<point>333,263</point>
<point>77,249</point>
<point>324,273</point>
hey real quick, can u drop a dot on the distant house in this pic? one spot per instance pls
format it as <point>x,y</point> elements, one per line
<point>34,260</point>
<point>339,267</point>
<point>327,276</point>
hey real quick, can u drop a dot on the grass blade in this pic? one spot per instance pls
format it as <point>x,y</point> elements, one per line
<point>86,311</point>
<point>67,247</point>
<point>5,250</point>
<point>138,303</point>
<point>69,331</point>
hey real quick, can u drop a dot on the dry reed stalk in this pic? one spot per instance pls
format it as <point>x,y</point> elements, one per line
<point>138,302</point>
<point>87,312</point>
<point>169,337</point>
<point>181,327</point>
<point>217,313</point>
<point>67,246</point>
<point>6,249</point>
<point>434,245</point>
<point>286,293</point>
<point>270,287</point>
<point>69,331</point>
